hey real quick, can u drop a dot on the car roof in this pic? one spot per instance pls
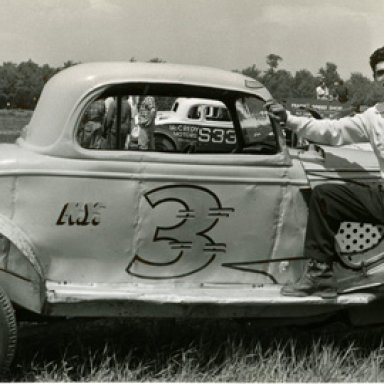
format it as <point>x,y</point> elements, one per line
<point>64,92</point>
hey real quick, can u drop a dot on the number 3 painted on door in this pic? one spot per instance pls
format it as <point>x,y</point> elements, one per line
<point>199,212</point>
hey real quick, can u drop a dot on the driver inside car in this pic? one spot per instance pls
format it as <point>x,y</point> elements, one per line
<point>332,204</point>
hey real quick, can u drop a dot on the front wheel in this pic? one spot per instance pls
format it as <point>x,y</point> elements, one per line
<point>8,333</point>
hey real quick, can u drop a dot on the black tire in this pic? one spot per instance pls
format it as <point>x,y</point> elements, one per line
<point>164,144</point>
<point>8,333</point>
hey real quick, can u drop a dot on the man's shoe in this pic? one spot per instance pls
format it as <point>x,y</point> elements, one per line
<point>317,280</point>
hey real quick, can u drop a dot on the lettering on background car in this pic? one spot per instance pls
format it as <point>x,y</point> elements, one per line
<point>75,213</point>
<point>184,131</point>
<point>190,247</point>
<point>217,135</point>
<point>204,135</point>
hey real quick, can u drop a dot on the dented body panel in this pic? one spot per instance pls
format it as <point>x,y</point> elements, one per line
<point>124,200</point>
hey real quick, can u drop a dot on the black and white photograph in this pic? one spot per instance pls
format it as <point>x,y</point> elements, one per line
<point>192,191</point>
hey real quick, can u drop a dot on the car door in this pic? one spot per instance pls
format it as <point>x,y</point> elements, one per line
<point>223,217</point>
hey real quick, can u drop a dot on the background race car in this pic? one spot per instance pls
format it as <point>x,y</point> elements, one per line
<point>194,124</point>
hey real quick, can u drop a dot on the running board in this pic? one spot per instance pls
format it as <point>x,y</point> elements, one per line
<point>212,300</point>
<point>221,294</point>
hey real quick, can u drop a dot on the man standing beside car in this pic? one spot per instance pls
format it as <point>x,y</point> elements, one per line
<point>331,204</point>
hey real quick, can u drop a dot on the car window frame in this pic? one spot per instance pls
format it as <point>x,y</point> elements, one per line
<point>281,157</point>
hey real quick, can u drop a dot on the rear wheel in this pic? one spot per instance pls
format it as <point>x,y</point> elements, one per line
<point>8,333</point>
<point>164,144</point>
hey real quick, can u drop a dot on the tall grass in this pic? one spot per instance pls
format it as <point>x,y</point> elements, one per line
<point>167,350</point>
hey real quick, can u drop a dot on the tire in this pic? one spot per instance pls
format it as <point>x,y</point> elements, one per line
<point>164,144</point>
<point>8,333</point>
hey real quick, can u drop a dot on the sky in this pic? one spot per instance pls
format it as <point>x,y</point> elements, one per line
<point>228,34</point>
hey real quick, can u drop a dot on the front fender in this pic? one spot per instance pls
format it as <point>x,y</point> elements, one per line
<point>21,274</point>
<point>22,242</point>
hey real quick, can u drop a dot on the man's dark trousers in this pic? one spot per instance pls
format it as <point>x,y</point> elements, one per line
<point>330,205</point>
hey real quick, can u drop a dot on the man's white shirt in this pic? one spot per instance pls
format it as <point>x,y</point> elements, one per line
<point>363,127</point>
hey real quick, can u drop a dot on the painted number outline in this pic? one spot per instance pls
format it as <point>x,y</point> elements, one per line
<point>186,214</point>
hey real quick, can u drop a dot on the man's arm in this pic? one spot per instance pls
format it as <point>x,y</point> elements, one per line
<point>347,130</point>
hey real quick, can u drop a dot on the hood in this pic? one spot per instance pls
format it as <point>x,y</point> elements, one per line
<point>348,157</point>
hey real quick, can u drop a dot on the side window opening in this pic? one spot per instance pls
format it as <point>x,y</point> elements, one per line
<point>134,122</point>
<point>194,113</point>
<point>217,114</point>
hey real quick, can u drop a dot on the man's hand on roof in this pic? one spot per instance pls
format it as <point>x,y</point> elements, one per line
<point>277,111</point>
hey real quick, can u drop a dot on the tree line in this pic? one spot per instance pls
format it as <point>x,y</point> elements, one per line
<point>21,84</point>
<point>283,84</point>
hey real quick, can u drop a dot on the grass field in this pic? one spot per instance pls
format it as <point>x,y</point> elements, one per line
<point>177,351</point>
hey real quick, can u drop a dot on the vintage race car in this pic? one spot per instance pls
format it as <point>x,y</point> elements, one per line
<point>90,227</point>
<point>203,125</point>
<point>195,124</point>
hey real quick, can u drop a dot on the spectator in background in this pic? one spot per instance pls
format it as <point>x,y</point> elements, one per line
<point>146,120</point>
<point>108,101</point>
<point>340,91</point>
<point>322,91</point>
<point>90,133</point>
<point>111,123</point>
